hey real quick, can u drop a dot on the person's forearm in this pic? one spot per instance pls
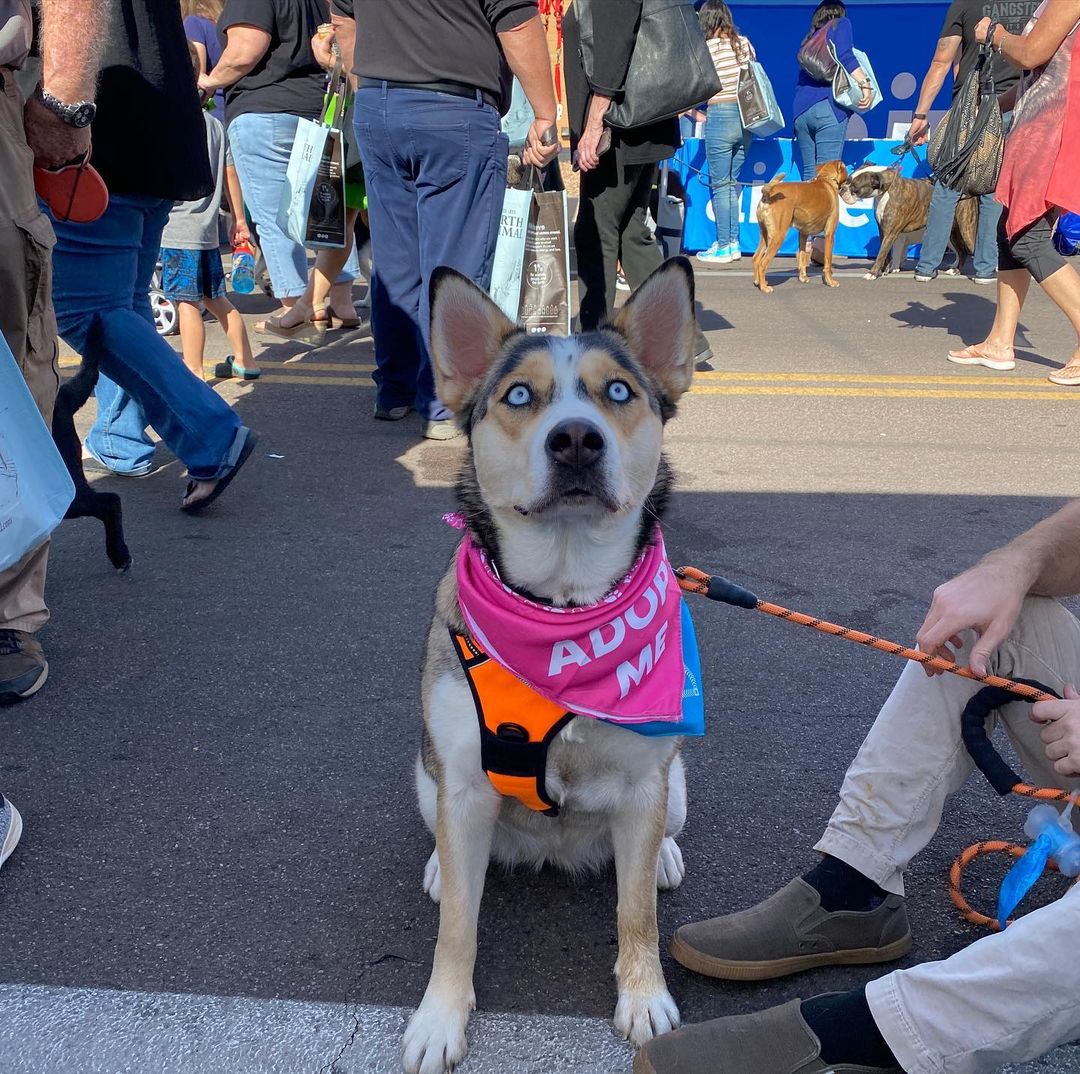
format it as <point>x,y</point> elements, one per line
<point>525,48</point>
<point>228,70</point>
<point>1047,557</point>
<point>931,87</point>
<point>72,32</point>
<point>598,108</point>
<point>233,193</point>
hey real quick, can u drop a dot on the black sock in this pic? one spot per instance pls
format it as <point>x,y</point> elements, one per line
<point>847,1030</point>
<point>843,888</point>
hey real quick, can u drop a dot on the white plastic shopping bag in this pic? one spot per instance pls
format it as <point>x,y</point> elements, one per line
<point>35,487</point>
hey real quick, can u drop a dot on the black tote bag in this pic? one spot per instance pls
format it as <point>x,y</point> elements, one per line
<point>670,68</point>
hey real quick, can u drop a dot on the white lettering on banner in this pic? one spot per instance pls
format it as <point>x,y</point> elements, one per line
<point>563,653</point>
<point>857,215</point>
<point>628,674</point>
<point>601,647</point>
<point>610,637</point>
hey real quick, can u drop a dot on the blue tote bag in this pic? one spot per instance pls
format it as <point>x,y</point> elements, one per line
<point>35,487</point>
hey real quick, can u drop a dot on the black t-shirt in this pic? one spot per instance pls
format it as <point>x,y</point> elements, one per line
<point>149,135</point>
<point>435,40</point>
<point>961,21</point>
<point>287,78</point>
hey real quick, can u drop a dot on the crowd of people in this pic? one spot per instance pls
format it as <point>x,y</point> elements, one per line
<point>425,148</point>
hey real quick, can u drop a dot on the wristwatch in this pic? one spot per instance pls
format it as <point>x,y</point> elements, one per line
<point>919,115</point>
<point>80,114</point>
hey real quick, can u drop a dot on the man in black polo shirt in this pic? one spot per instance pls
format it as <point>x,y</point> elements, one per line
<point>957,48</point>
<point>433,85</point>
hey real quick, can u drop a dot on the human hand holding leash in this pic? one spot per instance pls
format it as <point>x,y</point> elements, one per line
<point>986,599</point>
<point>1061,731</point>
<point>54,142</point>
<point>919,131</point>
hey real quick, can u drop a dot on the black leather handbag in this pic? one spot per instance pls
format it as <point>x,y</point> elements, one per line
<point>670,68</point>
<point>969,144</point>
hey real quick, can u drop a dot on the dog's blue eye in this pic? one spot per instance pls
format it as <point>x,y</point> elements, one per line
<point>619,391</point>
<point>519,395</point>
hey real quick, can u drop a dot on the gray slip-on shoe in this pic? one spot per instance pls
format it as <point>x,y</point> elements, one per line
<point>773,1041</point>
<point>789,932</point>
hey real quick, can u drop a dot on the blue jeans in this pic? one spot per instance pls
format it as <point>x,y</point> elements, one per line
<point>725,149</point>
<point>101,278</point>
<point>435,167</point>
<point>261,146</point>
<point>820,136</point>
<point>939,227</point>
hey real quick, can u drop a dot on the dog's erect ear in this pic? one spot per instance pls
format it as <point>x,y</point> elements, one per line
<point>467,333</point>
<point>658,322</point>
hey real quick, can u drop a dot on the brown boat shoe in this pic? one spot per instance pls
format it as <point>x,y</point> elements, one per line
<point>773,1041</point>
<point>790,932</point>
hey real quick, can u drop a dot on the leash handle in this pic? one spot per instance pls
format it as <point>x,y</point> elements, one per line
<point>692,580</point>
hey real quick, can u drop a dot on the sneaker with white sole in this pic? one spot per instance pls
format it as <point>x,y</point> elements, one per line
<point>10,828</point>
<point>922,277</point>
<point>715,255</point>
<point>970,356</point>
<point>986,281</point>
<point>735,251</point>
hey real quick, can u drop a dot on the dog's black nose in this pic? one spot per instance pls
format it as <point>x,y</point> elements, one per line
<point>577,444</point>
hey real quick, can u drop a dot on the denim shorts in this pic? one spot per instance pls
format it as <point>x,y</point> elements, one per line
<point>191,275</point>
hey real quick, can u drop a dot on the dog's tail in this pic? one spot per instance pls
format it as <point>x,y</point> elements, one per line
<point>767,189</point>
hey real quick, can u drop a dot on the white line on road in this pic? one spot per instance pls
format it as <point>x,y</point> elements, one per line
<point>99,1031</point>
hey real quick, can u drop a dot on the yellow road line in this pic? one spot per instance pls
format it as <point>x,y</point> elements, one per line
<point>881,393</point>
<point>870,378</point>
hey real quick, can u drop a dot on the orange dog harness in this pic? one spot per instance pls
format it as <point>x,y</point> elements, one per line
<point>517,726</point>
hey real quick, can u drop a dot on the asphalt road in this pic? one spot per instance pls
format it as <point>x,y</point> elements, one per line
<point>222,861</point>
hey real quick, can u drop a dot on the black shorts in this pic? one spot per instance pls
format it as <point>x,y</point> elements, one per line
<point>1033,249</point>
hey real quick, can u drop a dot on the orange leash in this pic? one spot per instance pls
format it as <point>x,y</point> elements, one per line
<point>692,580</point>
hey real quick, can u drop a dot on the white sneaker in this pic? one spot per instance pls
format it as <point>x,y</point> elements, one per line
<point>735,252</point>
<point>10,828</point>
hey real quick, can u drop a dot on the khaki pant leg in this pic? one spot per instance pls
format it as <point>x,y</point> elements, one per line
<point>913,758</point>
<point>1007,998</point>
<point>28,325</point>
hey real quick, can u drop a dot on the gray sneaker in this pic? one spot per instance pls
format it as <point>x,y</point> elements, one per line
<point>774,1041</point>
<point>10,828</point>
<point>23,667</point>
<point>789,932</point>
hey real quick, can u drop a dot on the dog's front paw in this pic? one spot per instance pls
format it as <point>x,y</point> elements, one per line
<point>870,276</point>
<point>669,866</point>
<point>434,1041</point>
<point>831,283</point>
<point>433,878</point>
<point>640,1018</point>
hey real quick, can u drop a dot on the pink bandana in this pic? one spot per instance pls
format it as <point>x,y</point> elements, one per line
<point>620,659</point>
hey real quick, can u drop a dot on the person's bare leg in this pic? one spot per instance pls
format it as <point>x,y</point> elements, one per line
<point>192,336</point>
<point>1012,290</point>
<point>328,266</point>
<point>1064,288</point>
<point>230,319</point>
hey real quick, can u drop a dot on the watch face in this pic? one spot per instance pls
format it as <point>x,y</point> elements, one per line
<point>83,116</point>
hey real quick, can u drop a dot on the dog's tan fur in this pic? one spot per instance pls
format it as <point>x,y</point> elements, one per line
<point>813,207</point>
<point>621,795</point>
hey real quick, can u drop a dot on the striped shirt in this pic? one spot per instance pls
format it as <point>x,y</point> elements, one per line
<point>727,63</point>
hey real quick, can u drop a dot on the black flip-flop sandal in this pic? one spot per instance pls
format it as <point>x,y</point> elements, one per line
<point>222,482</point>
<point>228,369</point>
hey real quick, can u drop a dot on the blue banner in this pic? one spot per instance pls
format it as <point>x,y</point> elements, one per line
<point>899,37</point>
<point>857,232</point>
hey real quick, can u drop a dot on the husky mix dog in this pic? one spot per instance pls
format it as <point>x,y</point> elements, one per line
<point>562,487</point>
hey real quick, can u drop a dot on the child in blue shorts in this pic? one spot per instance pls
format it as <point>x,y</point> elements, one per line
<point>192,275</point>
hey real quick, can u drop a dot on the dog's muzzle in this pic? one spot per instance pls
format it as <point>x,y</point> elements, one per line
<point>575,445</point>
